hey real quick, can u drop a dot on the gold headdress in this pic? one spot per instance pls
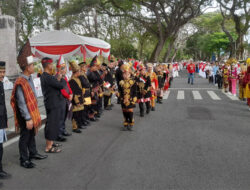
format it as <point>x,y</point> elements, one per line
<point>74,66</point>
<point>248,62</point>
<point>126,68</point>
<point>231,61</point>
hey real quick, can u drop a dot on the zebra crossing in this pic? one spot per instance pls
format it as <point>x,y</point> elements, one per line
<point>197,95</point>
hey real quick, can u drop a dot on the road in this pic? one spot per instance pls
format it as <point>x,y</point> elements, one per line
<point>198,139</point>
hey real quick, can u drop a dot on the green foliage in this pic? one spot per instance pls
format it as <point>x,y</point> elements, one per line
<point>32,16</point>
<point>209,37</point>
<point>123,48</point>
<point>74,7</point>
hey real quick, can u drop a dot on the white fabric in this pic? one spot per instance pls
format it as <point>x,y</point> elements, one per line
<point>37,84</point>
<point>95,42</point>
<point>55,38</point>
<point>92,54</point>
<point>7,84</point>
<point>202,73</point>
<point>60,38</point>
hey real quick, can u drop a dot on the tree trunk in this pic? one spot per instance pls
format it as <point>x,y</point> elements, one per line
<point>57,7</point>
<point>240,47</point>
<point>141,49</point>
<point>156,53</point>
<point>175,53</point>
<point>18,21</point>
<point>96,23</point>
<point>169,50</point>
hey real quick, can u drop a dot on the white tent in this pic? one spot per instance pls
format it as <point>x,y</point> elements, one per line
<point>55,43</point>
<point>94,46</point>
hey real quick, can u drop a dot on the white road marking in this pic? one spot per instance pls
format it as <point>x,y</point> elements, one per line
<point>213,95</point>
<point>231,96</point>
<point>197,95</point>
<point>180,95</point>
<point>166,95</point>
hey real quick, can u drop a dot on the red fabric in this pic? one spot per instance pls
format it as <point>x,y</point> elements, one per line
<point>166,86</point>
<point>95,49</point>
<point>83,51</point>
<point>156,83</point>
<point>191,68</point>
<point>246,78</point>
<point>64,92</point>
<point>57,50</point>
<point>47,61</point>
<point>31,103</point>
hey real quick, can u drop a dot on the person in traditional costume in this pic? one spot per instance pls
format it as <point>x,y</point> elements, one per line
<point>246,83</point>
<point>161,82</point>
<point>233,79</point>
<point>3,120</point>
<point>108,86</point>
<point>67,94</point>
<point>167,77</point>
<point>111,67</point>
<point>78,99</point>
<point>100,77</point>
<point>170,69</point>
<point>242,90</point>
<point>26,112</point>
<point>119,76</point>
<point>226,74</point>
<point>53,99</point>
<point>96,86</point>
<point>143,83</point>
<point>128,97</point>
<point>154,84</point>
<point>89,113</point>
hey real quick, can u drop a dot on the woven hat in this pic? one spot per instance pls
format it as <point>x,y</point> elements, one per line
<point>25,57</point>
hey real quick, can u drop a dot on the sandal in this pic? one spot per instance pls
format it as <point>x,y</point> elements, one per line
<point>56,144</point>
<point>53,150</point>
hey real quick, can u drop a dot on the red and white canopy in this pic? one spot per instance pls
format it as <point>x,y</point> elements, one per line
<point>94,46</point>
<point>53,44</point>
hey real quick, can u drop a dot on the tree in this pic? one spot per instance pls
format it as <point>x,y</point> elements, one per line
<point>163,18</point>
<point>239,11</point>
<point>29,16</point>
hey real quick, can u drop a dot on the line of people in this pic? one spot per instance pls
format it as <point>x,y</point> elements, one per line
<point>80,99</point>
<point>226,75</point>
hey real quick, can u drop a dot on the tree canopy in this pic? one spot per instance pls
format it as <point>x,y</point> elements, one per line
<point>151,30</point>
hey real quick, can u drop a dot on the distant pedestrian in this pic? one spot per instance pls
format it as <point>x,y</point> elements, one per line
<point>191,71</point>
<point>219,77</point>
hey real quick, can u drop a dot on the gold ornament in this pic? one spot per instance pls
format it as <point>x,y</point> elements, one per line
<point>231,61</point>
<point>248,62</point>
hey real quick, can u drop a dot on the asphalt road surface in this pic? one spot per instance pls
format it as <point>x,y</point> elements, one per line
<point>198,139</point>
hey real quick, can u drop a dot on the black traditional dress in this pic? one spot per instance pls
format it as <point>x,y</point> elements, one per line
<point>143,92</point>
<point>53,99</point>
<point>128,97</point>
<point>77,102</point>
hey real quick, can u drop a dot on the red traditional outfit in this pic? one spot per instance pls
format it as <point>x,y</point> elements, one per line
<point>246,84</point>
